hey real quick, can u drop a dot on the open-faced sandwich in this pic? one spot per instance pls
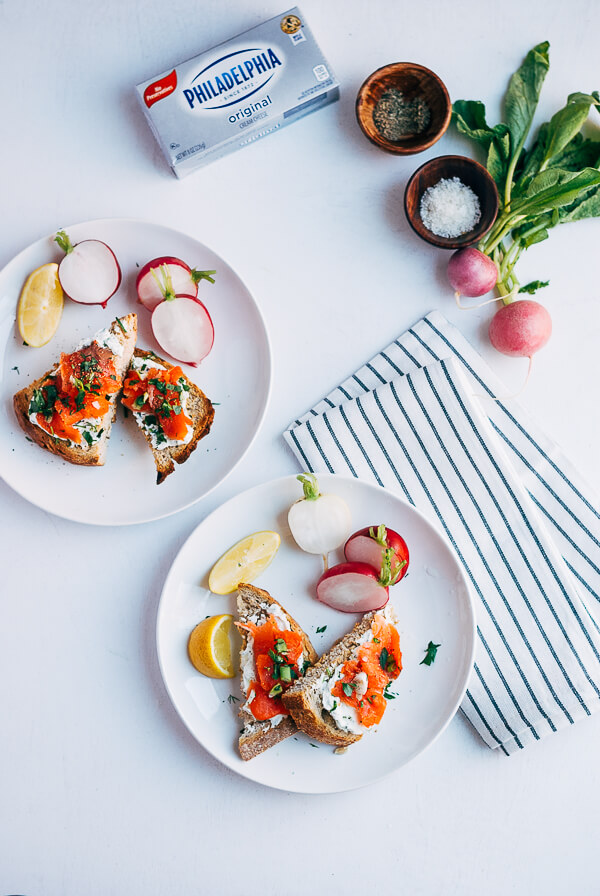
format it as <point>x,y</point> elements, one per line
<point>275,653</point>
<point>172,412</point>
<point>344,695</point>
<point>70,409</point>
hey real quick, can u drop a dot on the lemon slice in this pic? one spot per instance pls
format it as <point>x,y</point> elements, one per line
<point>40,306</point>
<point>209,647</point>
<point>243,562</point>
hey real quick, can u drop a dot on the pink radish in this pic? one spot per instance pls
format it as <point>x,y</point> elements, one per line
<point>183,280</point>
<point>471,273</point>
<point>357,587</point>
<point>89,273</point>
<point>369,545</point>
<point>183,328</point>
<point>520,328</point>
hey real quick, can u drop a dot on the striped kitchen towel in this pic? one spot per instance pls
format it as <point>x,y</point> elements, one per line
<point>523,524</point>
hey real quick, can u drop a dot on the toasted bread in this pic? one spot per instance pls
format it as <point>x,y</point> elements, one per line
<point>257,736</point>
<point>124,330</point>
<point>304,699</point>
<point>200,410</point>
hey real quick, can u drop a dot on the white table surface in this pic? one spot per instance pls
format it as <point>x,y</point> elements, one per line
<point>102,790</point>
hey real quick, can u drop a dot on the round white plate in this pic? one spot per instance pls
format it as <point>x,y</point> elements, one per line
<point>433,603</point>
<point>236,376</point>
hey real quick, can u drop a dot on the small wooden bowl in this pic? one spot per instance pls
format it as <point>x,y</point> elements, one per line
<point>414,82</point>
<point>470,173</point>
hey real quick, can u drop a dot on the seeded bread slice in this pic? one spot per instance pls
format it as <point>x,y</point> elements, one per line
<point>257,736</point>
<point>95,455</point>
<point>199,409</point>
<point>304,701</point>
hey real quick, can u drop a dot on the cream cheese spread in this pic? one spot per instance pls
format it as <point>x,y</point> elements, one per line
<point>145,421</point>
<point>248,666</point>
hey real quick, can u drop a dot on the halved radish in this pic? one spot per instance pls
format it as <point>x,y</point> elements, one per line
<point>357,587</point>
<point>183,328</point>
<point>89,273</point>
<point>352,588</point>
<point>368,546</point>
<point>166,277</point>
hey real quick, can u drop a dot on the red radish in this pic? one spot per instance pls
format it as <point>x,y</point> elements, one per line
<point>471,273</point>
<point>357,587</point>
<point>183,328</point>
<point>520,328</point>
<point>89,273</point>
<point>183,280</point>
<point>369,545</point>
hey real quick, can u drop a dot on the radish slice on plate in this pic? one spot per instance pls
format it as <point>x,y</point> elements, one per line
<point>167,277</point>
<point>369,545</point>
<point>183,328</point>
<point>357,587</point>
<point>89,273</point>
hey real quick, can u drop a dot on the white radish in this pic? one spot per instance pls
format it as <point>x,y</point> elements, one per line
<point>175,277</point>
<point>183,328</point>
<point>319,523</point>
<point>89,273</point>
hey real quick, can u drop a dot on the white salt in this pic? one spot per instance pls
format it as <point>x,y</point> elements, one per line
<point>450,208</point>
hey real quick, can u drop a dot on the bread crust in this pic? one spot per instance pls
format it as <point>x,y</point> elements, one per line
<point>95,455</point>
<point>257,736</point>
<point>202,413</point>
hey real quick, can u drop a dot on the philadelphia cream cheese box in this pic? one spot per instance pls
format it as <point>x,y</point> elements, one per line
<point>238,92</point>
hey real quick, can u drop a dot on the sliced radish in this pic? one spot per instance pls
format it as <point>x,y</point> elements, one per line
<point>183,328</point>
<point>352,588</point>
<point>357,587</point>
<point>167,277</point>
<point>368,546</point>
<point>89,273</point>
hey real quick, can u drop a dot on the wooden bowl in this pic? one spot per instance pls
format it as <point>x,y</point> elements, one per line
<point>470,173</point>
<point>414,82</point>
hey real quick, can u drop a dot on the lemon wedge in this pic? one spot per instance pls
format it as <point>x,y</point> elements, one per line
<point>243,562</point>
<point>209,647</point>
<point>40,306</point>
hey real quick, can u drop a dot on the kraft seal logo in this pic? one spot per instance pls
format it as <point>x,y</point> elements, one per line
<point>232,78</point>
<point>160,89</point>
<point>290,24</point>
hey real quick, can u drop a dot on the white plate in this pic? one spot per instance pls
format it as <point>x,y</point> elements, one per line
<point>236,374</point>
<point>433,602</point>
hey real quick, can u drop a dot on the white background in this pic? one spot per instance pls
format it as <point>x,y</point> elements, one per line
<point>102,790</point>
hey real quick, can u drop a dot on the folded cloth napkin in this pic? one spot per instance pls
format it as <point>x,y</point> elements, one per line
<point>523,524</point>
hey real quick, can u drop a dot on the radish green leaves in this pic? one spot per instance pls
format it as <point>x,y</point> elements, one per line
<point>553,181</point>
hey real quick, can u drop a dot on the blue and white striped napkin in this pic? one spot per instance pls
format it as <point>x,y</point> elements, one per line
<point>523,524</point>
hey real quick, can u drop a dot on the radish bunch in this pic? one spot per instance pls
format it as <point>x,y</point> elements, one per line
<point>181,324</point>
<point>521,327</point>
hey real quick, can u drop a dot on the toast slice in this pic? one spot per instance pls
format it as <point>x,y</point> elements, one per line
<point>63,394</point>
<point>310,701</point>
<point>257,606</point>
<point>154,415</point>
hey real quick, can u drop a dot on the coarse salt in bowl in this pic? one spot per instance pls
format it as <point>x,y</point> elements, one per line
<point>451,201</point>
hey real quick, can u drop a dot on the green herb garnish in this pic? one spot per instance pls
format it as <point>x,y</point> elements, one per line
<point>120,323</point>
<point>430,654</point>
<point>387,693</point>
<point>233,699</point>
<point>321,629</point>
<point>276,690</point>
